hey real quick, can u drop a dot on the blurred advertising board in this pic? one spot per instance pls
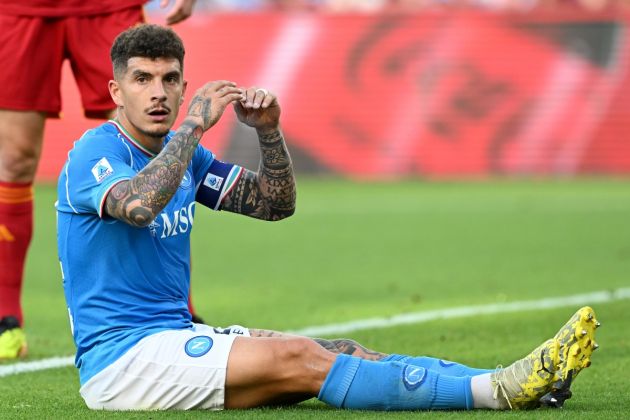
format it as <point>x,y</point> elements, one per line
<point>415,95</point>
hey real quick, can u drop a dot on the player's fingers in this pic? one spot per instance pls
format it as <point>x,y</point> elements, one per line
<point>181,11</point>
<point>175,17</point>
<point>219,84</point>
<point>232,89</point>
<point>255,97</point>
<point>216,86</point>
<point>238,106</point>
<point>229,90</point>
<point>232,97</point>
<point>259,97</point>
<point>250,96</point>
<point>269,100</point>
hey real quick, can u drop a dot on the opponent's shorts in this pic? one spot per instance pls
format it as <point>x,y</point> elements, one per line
<point>176,369</point>
<point>32,51</point>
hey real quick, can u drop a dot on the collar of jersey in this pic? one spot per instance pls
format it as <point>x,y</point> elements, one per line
<point>131,140</point>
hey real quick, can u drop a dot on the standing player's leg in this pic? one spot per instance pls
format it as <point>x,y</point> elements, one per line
<point>31,57</point>
<point>21,134</point>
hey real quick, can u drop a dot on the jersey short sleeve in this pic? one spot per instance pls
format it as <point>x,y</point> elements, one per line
<point>96,164</point>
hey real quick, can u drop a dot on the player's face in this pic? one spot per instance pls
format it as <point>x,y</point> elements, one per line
<point>149,96</point>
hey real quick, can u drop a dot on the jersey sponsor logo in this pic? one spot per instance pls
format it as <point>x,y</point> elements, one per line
<point>198,346</point>
<point>102,170</point>
<point>213,181</point>
<point>413,376</point>
<point>186,183</point>
<point>179,221</point>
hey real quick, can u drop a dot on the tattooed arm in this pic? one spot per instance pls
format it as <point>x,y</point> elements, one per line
<point>139,200</point>
<point>339,345</point>
<point>270,193</point>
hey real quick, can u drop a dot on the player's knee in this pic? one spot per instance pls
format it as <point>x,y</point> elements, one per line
<point>294,348</point>
<point>304,359</point>
<point>18,164</point>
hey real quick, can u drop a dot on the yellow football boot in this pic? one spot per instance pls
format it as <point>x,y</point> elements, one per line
<point>12,339</point>
<point>577,343</point>
<point>544,376</point>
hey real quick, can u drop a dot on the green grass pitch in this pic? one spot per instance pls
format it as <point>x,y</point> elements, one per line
<point>361,250</point>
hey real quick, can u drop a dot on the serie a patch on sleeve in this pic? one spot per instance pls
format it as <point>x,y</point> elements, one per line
<point>217,182</point>
<point>102,170</point>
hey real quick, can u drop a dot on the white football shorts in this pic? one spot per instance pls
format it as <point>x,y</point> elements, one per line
<point>175,369</point>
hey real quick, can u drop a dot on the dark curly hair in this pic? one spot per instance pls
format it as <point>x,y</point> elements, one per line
<point>146,40</point>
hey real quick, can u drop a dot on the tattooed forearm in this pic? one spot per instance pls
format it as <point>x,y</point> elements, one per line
<point>269,194</point>
<point>351,347</point>
<point>139,200</point>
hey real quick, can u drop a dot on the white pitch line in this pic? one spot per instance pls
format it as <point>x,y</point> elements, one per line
<point>37,365</point>
<point>466,311</point>
<point>402,319</point>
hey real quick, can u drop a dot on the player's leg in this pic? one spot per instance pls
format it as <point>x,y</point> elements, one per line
<point>31,57</point>
<point>542,377</point>
<point>91,66</point>
<point>21,136</point>
<point>281,369</point>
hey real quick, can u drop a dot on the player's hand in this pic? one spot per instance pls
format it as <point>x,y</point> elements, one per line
<point>209,102</point>
<point>180,11</point>
<point>259,109</point>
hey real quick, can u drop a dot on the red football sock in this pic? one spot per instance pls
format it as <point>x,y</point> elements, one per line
<point>16,229</point>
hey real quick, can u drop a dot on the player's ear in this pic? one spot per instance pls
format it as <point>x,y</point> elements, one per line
<point>181,100</point>
<point>114,91</point>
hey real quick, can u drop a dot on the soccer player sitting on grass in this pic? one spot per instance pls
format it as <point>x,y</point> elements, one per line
<point>126,206</point>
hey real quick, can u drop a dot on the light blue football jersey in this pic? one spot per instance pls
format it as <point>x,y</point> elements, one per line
<point>123,283</point>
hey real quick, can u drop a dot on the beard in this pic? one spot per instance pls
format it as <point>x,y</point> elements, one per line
<point>156,134</point>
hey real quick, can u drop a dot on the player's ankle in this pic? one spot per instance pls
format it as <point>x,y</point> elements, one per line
<point>483,394</point>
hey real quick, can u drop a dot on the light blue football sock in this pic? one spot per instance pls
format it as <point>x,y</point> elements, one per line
<point>443,367</point>
<point>366,385</point>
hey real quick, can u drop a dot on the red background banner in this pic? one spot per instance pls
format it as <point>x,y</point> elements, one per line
<point>430,95</point>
